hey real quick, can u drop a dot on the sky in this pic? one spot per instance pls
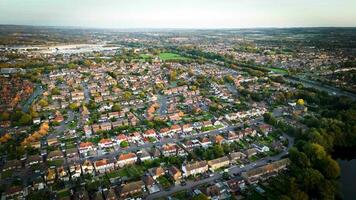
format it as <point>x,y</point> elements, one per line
<point>179,13</point>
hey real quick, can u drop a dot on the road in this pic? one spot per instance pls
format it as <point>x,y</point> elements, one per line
<point>326,88</point>
<point>38,91</point>
<point>232,170</point>
<point>162,99</point>
<point>162,142</point>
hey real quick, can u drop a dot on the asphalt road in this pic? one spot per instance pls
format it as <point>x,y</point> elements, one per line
<point>326,88</point>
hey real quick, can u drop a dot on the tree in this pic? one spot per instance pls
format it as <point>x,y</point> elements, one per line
<point>116,108</point>
<point>330,168</point>
<point>43,103</point>
<point>173,75</point>
<point>73,106</point>
<point>300,102</point>
<point>25,119</point>
<point>127,95</point>
<point>55,91</point>
<point>314,151</point>
<point>218,151</point>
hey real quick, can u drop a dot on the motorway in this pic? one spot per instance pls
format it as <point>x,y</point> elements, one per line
<point>317,85</point>
<point>232,170</point>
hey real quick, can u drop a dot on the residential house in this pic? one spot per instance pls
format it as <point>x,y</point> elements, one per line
<point>249,132</point>
<point>33,160</point>
<point>87,130</point>
<point>126,159</point>
<point>104,165</point>
<point>187,128</point>
<point>50,176</point>
<point>84,147</point>
<point>55,155</point>
<point>156,172</point>
<point>143,155</point>
<point>106,126</point>
<point>87,167</point>
<point>234,156</point>
<point>164,132</point>
<point>219,139</point>
<point>105,143</point>
<point>14,192</point>
<point>52,142</point>
<point>169,149</point>
<point>110,194</point>
<point>63,173</point>
<point>121,138</point>
<point>265,129</point>
<point>11,165</point>
<point>148,180</point>
<point>219,163</point>
<point>149,133</point>
<point>75,170</point>
<point>72,155</point>
<point>232,136</point>
<point>265,171</point>
<point>195,168</point>
<point>175,173</point>
<point>175,128</point>
<point>190,145</point>
<point>251,152</point>
<point>205,142</point>
<point>131,189</point>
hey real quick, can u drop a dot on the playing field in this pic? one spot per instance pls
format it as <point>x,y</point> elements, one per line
<point>171,56</point>
<point>278,70</point>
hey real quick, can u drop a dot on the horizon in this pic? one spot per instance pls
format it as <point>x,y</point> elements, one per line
<point>173,29</point>
<point>197,14</point>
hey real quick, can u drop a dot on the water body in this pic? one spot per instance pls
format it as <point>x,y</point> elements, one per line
<point>346,157</point>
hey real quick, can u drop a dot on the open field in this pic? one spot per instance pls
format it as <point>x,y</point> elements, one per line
<point>171,56</point>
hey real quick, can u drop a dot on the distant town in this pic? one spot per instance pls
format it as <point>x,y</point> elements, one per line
<point>174,114</point>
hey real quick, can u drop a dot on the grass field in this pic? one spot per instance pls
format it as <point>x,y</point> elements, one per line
<point>132,171</point>
<point>278,70</point>
<point>171,56</point>
<point>144,56</point>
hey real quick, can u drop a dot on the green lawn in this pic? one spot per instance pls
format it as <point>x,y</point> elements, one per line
<point>145,56</point>
<point>132,171</point>
<point>278,70</point>
<point>63,193</point>
<point>56,163</point>
<point>210,128</point>
<point>171,56</point>
<point>164,181</point>
<point>113,174</point>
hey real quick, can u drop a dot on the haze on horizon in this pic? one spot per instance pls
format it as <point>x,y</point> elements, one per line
<point>179,14</point>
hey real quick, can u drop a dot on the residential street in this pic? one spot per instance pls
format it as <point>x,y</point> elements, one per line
<point>231,170</point>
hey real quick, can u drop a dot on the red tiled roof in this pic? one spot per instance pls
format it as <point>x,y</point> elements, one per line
<point>85,144</point>
<point>127,156</point>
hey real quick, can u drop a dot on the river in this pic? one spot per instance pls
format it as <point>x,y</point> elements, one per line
<point>346,157</point>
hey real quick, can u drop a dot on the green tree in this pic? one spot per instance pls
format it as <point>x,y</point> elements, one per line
<point>127,95</point>
<point>116,108</point>
<point>25,119</point>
